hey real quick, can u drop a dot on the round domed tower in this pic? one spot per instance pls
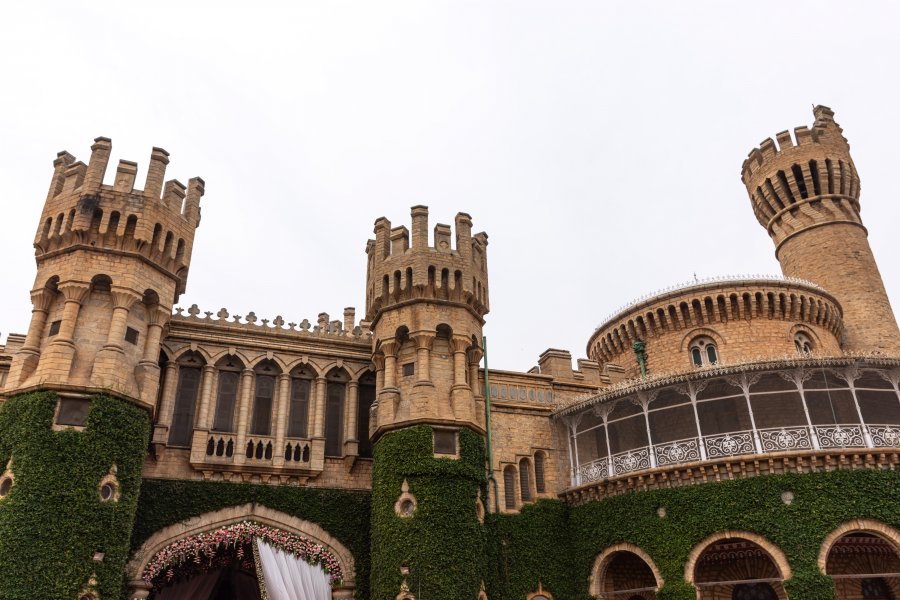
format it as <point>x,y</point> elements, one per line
<point>426,305</point>
<point>805,192</point>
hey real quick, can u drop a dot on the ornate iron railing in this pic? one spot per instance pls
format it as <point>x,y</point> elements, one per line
<point>735,443</point>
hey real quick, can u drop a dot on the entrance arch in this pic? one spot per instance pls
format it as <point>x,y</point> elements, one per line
<point>230,516</point>
<point>624,572</point>
<point>737,565</point>
<point>863,559</point>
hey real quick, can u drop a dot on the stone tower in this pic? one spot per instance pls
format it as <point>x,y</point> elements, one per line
<point>111,261</point>
<point>805,192</point>
<point>426,305</point>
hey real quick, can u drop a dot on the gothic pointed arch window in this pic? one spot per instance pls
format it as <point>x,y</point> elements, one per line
<point>302,382</point>
<point>186,394</point>
<point>335,396</point>
<point>509,487</point>
<point>365,399</point>
<point>539,483</point>
<point>229,383</point>
<point>525,479</point>
<point>264,397</point>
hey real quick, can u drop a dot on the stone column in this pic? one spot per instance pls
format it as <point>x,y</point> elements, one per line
<point>166,405</point>
<point>25,361</point>
<point>351,441</point>
<point>423,340</point>
<point>146,373</point>
<point>319,421</point>
<point>109,369</point>
<point>388,393</point>
<point>244,401</point>
<point>461,400</point>
<point>475,355</point>
<point>206,390</point>
<point>281,417</point>
<point>201,426</point>
<point>59,353</point>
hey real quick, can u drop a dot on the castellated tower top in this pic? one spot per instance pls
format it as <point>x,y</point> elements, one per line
<point>804,180</point>
<point>157,222</point>
<point>450,271</point>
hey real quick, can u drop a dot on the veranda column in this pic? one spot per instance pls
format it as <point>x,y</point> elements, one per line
<point>691,390</point>
<point>281,417</point>
<point>850,375</point>
<point>167,403</point>
<point>797,377</point>
<point>244,401</point>
<point>351,441</point>
<point>744,382</point>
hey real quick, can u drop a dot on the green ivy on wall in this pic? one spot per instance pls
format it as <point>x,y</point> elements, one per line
<point>442,543</point>
<point>343,514</point>
<point>53,520</point>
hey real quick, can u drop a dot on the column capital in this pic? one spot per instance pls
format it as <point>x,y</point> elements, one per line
<point>209,368</point>
<point>123,297</point>
<point>390,347</point>
<point>158,315</point>
<point>423,339</point>
<point>353,384</point>
<point>171,365</point>
<point>284,377</point>
<point>42,298</point>
<point>460,343</point>
<point>74,291</point>
<point>378,361</point>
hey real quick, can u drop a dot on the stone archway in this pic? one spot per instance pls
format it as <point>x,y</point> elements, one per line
<point>733,565</point>
<point>140,590</point>
<point>862,557</point>
<point>624,571</point>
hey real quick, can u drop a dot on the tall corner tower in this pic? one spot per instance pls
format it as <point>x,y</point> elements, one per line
<point>426,305</point>
<point>805,192</point>
<point>111,262</point>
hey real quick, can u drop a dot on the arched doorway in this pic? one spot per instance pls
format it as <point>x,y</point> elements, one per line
<point>864,565</point>
<point>624,572</point>
<point>215,556</point>
<point>738,566</point>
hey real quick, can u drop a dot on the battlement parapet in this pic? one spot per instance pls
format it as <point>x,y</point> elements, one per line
<point>324,327</point>
<point>157,222</point>
<point>805,180</point>
<point>402,266</point>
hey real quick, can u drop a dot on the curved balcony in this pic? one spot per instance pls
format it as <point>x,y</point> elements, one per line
<point>727,418</point>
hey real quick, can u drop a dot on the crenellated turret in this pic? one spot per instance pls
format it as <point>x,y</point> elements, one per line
<point>427,304</point>
<point>111,261</point>
<point>805,192</point>
<point>401,269</point>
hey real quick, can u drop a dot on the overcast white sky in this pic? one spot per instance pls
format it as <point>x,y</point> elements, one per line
<point>598,144</point>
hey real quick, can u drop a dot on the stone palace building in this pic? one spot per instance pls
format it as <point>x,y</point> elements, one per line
<point>731,439</point>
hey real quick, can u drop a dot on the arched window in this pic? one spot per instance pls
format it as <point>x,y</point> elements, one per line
<point>336,392</point>
<point>803,343</point>
<point>298,415</point>
<point>261,424</point>
<point>703,352</point>
<point>365,398</point>
<point>230,369</point>
<point>509,487</point>
<point>185,399</point>
<point>525,479</point>
<point>539,485</point>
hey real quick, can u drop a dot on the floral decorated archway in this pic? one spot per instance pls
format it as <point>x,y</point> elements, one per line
<point>199,542</point>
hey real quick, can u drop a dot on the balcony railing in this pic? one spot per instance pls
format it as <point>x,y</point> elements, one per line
<point>221,451</point>
<point>736,443</point>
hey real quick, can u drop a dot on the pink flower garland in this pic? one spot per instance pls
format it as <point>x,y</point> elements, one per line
<point>207,544</point>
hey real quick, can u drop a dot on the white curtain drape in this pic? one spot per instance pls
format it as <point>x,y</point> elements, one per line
<point>289,578</point>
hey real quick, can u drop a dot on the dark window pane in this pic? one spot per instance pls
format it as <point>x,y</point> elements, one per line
<point>262,407</point>
<point>298,420</point>
<point>509,487</point>
<point>697,357</point>
<point>539,473</point>
<point>185,401</point>
<point>525,480</point>
<point>334,418</point>
<point>131,335</point>
<point>228,388</point>
<point>73,411</point>
<point>54,328</point>
<point>366,398</point>
<point>444,441</point>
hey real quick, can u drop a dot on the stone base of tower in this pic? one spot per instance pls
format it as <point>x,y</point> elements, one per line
<point>66,521</point>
